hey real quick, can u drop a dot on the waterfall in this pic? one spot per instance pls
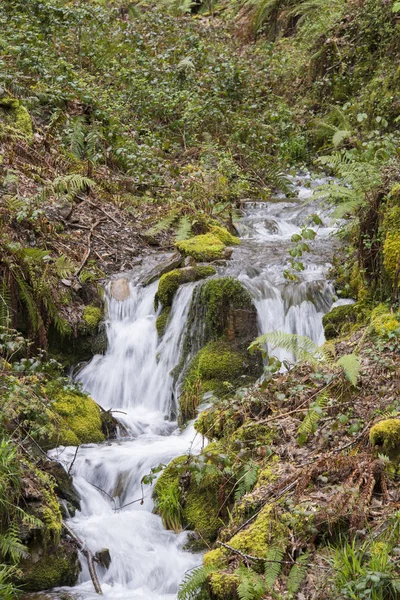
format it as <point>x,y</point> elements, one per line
<point>134,377</point>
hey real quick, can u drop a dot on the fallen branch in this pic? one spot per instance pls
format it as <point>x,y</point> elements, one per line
<point>89,557</point>
<point>103,211</point>
<point>88,249</point>
<point>249,557</point>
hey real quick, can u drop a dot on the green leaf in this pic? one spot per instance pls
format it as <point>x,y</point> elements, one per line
<point>350,364</point>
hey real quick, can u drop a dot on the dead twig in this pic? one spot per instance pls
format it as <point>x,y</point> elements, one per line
<point>88,249</point>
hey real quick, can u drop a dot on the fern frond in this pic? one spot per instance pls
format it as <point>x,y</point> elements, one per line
<point>71,185</point>
<point>11,546</point>
<point>163,224</point>
<point>350,364</point>
<point>184,229</point>
<point>301,346</point>
<point>63,266</point>
<point>297,574</point>
<point>247,479</point>
<point>251,586</point>
<point>273,566</point>
<point>194,582</point>
<point>315,412</point>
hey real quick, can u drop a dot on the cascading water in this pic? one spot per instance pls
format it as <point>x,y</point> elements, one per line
<point>133,377</point>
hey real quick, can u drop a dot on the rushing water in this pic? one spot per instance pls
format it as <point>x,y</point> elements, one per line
<point>133,377</point>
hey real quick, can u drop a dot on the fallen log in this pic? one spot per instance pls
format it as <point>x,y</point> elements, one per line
<point>89,557</point>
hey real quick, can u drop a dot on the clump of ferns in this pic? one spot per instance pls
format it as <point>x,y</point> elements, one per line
<point>28,284</point>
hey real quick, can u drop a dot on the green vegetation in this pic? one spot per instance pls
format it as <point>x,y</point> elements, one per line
<point>147,126</point>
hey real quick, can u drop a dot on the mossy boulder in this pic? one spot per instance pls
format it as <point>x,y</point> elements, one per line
<point>386,436</point>
<point>218,367</point>
<point>79,420</point>
<point>209,246</point>
<point>224,235</point>
<point>48,568</point>
<point>170,282</point>
<point>182,502</point>
<point>383,322</point>
<point>228,311</point>
<point>340,320</point>
<point>14,113</point>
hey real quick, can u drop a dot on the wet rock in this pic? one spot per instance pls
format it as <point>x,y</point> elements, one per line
<point>189,262</point>
<point>103,557</point>
<point>173,261</point>
<point>64,483</point>
<point>119,289</point>
<point>47,568</point>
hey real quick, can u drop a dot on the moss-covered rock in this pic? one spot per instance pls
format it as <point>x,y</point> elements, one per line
<point>256,539</point>
<point>162,320</point>
<point>228,311</point>
<point>15,114</point>
<point>217,367</point>
<point>92,315</point>
<point>386,435</point>
<point>340,320</point>
<point>170,282</point>
<point>79,420</point>
<point>384,322</point>
<point>205,248</point>
<point>55,567</point>
<point>223,586</point>
<point>182,502</point>
<point>223,234</point>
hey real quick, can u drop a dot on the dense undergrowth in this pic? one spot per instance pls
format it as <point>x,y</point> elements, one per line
<point>128,127</point>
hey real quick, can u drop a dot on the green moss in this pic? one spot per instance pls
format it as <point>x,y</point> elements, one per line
<point>218,297</point>
<point>340,320</point>
<point>216,422</point>
<point>167,494</point>
<point>215,365</point>
<point>216,558</point>
<point>201,510</point>
<point>58,567</point>
<point>384,322</point>
<point>80,420</point>
<point>391,254</point>
<point>223,234</point>
<point>161,321</point>
<point>224,585</point>
<point>170,282</point>
<point>218,361</point>
<point>206,247</point>
<point>92,316</point>
<point>195,507</point>
<point>17,115</point>
<point>262,532</point>
<point>386,435</point>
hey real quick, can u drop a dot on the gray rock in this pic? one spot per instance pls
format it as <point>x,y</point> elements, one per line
<point>169,264</point>
<point>103,557</point>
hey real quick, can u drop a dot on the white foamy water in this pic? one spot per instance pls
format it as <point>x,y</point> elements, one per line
<point>133,377</point>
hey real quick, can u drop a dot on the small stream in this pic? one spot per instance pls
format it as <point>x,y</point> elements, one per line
<point>133,377</point>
